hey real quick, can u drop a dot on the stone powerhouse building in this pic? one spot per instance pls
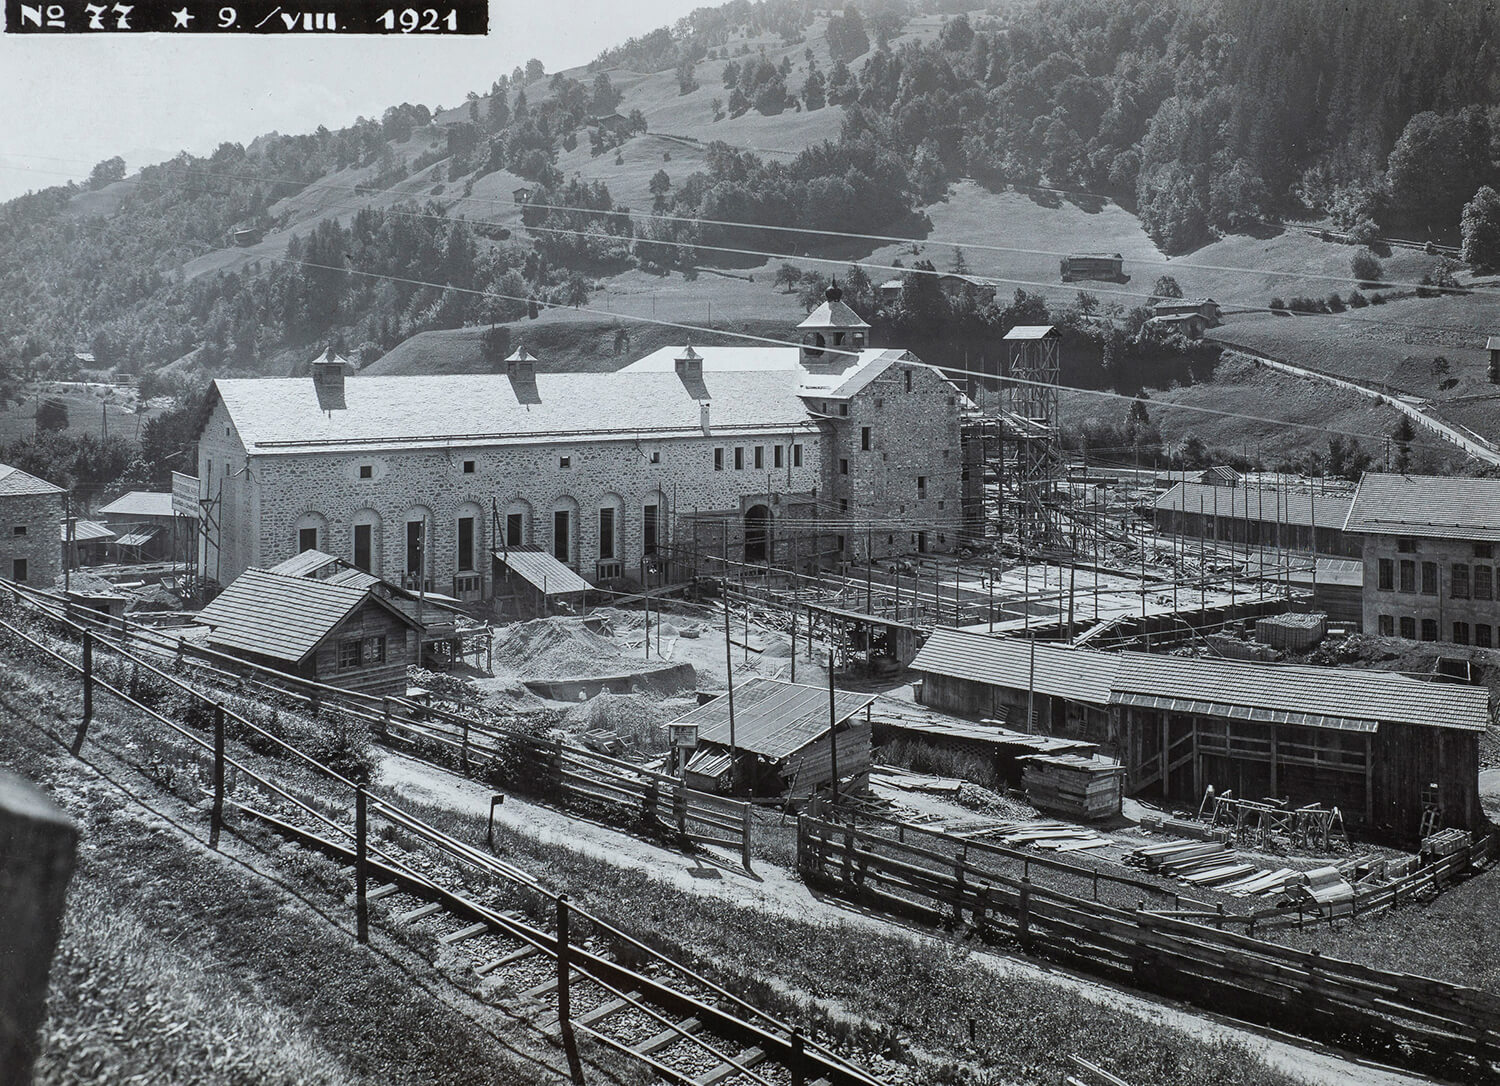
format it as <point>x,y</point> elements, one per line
<point>795,457</point>
<point>31,521</point>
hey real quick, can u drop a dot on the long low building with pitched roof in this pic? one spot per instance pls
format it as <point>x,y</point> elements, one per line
<point>739,453</point>
<point>1380,745</point>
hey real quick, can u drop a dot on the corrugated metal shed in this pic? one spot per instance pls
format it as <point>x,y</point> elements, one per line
<point>773,718</point>
<point>14,481</point>
<point>1426,505</point>
<point>284,618</point>
<point>140,503</point>
<point>1061,671</point>
<point>1289,506</point>
<point>543,572</point>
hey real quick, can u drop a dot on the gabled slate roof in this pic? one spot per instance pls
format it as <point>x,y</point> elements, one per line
<point>1289,506</point>
<point>283,415</point>
<point>15,482</point>
<point>282,617</point>
<point>771,717</point>
<point>1438,506</point>
<point>834,314</point>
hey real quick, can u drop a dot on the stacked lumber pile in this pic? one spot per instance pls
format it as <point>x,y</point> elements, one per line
<point>1053,836</point>
<point>1212,864</point>
<point>1292,632</point>
<point>1183,827</point>
<point>1081,787</point>
<point>1326,886</point>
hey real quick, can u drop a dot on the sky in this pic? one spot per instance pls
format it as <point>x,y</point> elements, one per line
<point>75,100</point>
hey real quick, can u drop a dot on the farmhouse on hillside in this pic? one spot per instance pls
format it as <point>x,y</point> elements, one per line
<point>1379,745</point>
<point>684,461</point>
<point>337,634</point>
<point>31,516</point>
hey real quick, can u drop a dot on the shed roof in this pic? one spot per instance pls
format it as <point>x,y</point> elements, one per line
<point>140,503</point>
<point>304,564</point>
<point>1288,505</point>
<point>15,482</point>
<point>1351,699</point>
<point>1436,506</point>
<point>285,415</point>
<point>1032,331</point>
<point>84,531</point>
<point>773,718</point>
<point>285,618</point>
<point>542,571</point>
<point>138,539</point>
<point>1061,671</point>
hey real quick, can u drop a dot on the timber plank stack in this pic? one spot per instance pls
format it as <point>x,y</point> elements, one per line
<point>1081,787</point>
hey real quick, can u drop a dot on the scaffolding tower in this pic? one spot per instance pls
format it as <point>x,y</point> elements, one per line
<point>1034,370</point>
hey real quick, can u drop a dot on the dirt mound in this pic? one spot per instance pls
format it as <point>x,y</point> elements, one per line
<point>153,597</point>
<point>511,695</point>
<point>553,648</point>
<point>635,718</point>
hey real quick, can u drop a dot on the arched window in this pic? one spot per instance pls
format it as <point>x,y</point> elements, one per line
<point>611,526</point>
<point>653,523</point>
<point>310,533</point>
<point>364,541</point>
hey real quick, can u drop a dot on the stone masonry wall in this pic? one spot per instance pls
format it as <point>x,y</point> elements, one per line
<point>31,529</point>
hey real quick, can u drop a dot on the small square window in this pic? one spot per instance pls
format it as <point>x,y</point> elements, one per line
<point>1429,629</point>
<point>1387,626</point>
<point>1408,627</point>
<point>374,650</point>
<point>844,410</point>
<point>656,456</point>
<point>879,402</point>
<point>1484,550</point>
<point>1406,545</point>
<point>565,461</point>
<point>349,652</point>
<point>367,471</point>
<point>19,529</point>
<point>468,467</point>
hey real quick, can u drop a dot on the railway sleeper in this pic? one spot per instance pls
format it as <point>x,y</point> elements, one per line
<point>668,1037</point>
<point>750,1057</point>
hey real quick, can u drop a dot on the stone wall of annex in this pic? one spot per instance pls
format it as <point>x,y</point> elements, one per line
<point>31,532</point>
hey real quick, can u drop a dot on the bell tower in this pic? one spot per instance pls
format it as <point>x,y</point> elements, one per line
<point>832,332</point>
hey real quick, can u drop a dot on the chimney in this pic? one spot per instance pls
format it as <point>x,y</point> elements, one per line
<point>703,419</point>
<point>521,365</point>
<point>690,364</point>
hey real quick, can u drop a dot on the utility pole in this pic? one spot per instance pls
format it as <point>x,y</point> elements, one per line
<point>833,742</point>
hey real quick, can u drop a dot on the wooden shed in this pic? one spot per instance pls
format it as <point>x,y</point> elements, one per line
<point>786,739</point>
<point>1382,746</point>
<point>337,634</point>
<point>1078,786</point>
<point>530,583</point>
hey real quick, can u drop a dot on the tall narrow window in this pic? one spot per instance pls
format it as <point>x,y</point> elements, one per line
<point>648,529</point>
<point>364,538</point>
<point>1408,627</point>
<point>307,539</point>
<point>606,533</point>
<point>414,547</point>
<point>514,530</point>
<point>1387,574</point>
<point>561,529</point>
<point>718,459</point>
<point>1430,581</point>
<point>776,456</point>
<point>1483,582</point>
<point>466,544</point>
<point>739,458</point>
<point>864,438</point>
<point>760,457</point>
<point>18,569</point>
<point>796,456</point>
<point>1408,575</point>
<point>1458,584</point>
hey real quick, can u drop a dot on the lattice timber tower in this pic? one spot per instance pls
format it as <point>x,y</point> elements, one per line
<point>1034,370</point>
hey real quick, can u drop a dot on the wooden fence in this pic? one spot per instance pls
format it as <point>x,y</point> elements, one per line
<point>1394,1015</point>
<point>575,775</point>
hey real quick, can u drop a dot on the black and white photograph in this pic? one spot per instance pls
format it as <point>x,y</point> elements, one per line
<point>750,543</point>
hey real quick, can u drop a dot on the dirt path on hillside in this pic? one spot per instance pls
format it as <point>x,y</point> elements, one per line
<point>775,890</point>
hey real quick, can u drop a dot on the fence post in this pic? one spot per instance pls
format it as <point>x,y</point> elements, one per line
<point>564,996</point>
<point>465,721</point>
<point>679,807</point>
<point>216,819</point>
<point>960,884</point>
<point>982,910</point>
<point>1096,884</point>
<point>799,1076</point>
<point>88,692</point>
<point>385,717</point>
<point>361,868</point>
<point>1023,914</point>
<point>745,838</point>
<point>848,861</point>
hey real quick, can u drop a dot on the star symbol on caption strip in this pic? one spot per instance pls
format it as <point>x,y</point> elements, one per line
<point>181,17</point>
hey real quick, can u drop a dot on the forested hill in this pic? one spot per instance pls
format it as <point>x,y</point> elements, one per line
<point>1205,116</point>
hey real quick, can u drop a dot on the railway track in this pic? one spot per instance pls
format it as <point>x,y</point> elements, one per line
<point>681,1030</point>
